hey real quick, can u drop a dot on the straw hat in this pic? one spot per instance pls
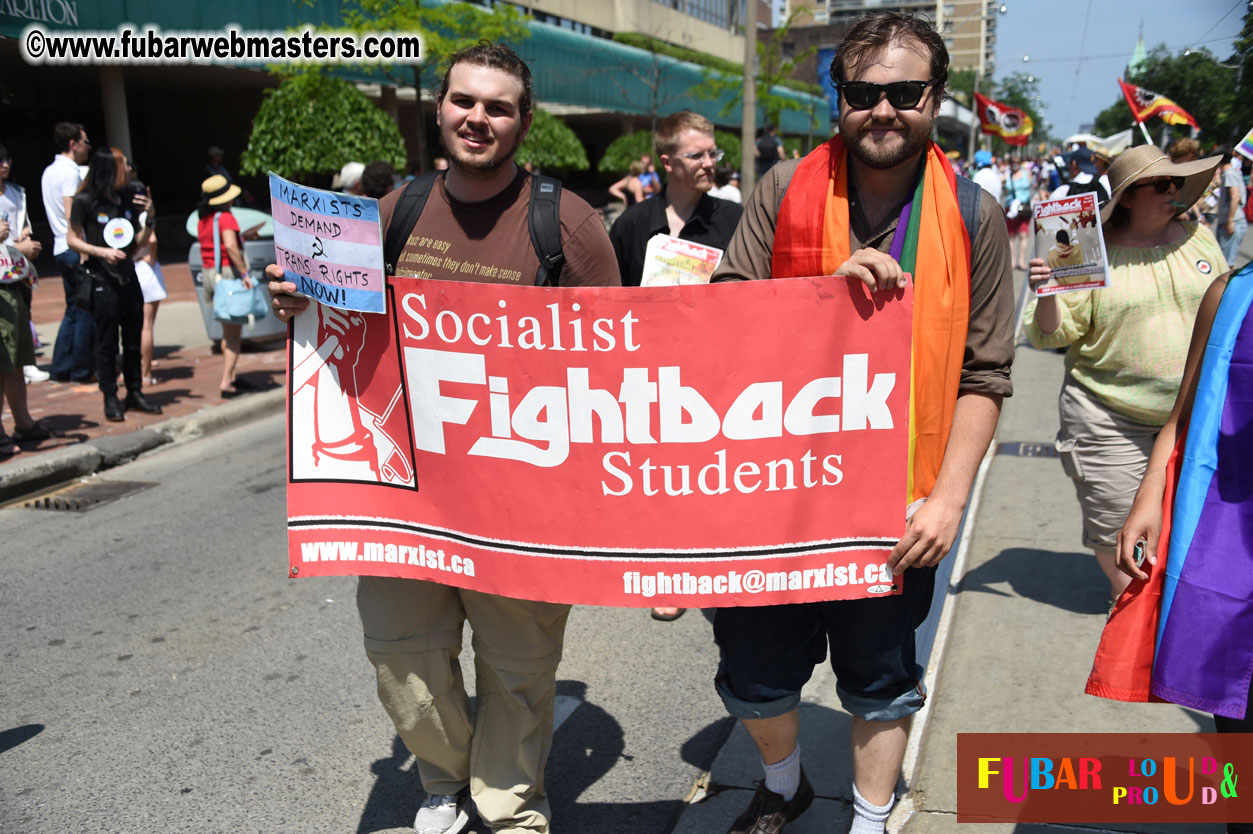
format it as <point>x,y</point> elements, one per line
<point>217,191</point>
<point>1147,161</point>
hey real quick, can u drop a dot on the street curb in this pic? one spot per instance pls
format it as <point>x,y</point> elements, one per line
<point>19,478</point>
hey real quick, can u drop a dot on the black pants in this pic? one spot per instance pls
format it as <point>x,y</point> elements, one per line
<point>118,305</point>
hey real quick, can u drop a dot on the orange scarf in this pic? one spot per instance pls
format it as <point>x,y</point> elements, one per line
<point>811,242</point>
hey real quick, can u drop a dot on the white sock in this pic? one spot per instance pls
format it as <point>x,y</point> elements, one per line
<point>784,777</point>
<point>869,818</point>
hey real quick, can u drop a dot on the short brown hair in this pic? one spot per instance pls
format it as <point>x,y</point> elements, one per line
<point>64,134</point>
<point>671,128</point>
<point>873,33</point>
<point>495,56</point>
<point>1182,150</point>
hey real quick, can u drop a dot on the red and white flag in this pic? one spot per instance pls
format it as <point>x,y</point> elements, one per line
<point>999,119</point>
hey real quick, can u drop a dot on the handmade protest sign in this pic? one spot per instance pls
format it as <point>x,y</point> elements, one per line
<point>697,445</point>
<point>330,245</point>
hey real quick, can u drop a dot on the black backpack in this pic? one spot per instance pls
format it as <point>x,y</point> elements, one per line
<point>544,222</point>
<point>969,193</point>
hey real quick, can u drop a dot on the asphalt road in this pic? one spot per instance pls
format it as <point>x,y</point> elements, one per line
<point>163,674</point>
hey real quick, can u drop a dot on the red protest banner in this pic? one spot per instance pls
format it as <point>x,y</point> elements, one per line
<point>734,444</point>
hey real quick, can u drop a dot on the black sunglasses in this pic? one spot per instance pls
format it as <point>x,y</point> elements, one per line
<point>903,95</point>
<point>1162,186</point>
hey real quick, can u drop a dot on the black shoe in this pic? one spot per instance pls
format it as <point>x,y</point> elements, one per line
<point>769,812</point>
<point>113,409</point>
<point>138,402</point>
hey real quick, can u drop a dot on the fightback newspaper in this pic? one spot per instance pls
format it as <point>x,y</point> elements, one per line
<point>1068,237</point>
<point>670,261</point>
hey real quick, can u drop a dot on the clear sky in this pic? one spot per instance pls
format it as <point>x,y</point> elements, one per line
<point>1077,65</point>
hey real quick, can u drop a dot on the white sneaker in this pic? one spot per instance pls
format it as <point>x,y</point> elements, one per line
<point>444,813</point>
<point>33,374</point>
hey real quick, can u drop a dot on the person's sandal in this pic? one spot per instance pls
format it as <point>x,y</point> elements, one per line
<point>666,618</point>
<point>8,446</point>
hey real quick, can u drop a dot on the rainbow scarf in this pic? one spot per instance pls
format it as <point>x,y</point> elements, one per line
<point>931,243</point>
<point>1186,634</point>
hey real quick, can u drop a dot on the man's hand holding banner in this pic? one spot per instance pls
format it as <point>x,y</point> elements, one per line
<point>734,444</point>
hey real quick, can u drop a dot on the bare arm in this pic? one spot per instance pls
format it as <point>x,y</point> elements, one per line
<point>230,245</point>
<point>933,529</point>
<point>1144,521</point>
<point>616,190</point>
<point>1047,316</point>
<point>74,239</point>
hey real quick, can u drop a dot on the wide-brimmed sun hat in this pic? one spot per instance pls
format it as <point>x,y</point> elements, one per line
<point>1145,161</point>
<point>216,190</point>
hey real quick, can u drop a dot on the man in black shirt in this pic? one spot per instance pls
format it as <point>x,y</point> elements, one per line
<point>768,150</point>
<point>683,209</point>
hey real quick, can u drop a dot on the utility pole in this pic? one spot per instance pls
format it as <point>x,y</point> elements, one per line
<point>748,125</point>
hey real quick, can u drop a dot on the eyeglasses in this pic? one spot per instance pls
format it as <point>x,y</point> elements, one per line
<point>1162,186</point>
<point>903,95</point>
<point>714,155</point>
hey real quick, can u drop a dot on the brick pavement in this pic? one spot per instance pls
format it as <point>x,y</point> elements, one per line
<point>185,366</point>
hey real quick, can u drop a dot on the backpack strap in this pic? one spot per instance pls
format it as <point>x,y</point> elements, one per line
<point>544,220</point>
<point>217,242</point>
<point>969,193</point>
<point>404,217</point>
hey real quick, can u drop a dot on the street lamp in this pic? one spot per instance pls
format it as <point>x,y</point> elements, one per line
<point>974,107</point>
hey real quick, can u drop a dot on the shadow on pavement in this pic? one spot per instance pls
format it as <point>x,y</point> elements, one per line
<point>18,735</point>
<point>1069,581</point>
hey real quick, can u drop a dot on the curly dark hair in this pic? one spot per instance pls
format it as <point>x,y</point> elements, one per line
<point>495,56</point>
<point>873,33</point>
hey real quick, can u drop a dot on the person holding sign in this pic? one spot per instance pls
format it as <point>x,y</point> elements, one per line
<point>879,203</point>
<point>105,225</point>
<point>1126,343</point>
<point>474,225</point>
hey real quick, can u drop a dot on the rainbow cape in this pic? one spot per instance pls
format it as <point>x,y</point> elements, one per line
<point>931,243</point>
<point>1185,635</point>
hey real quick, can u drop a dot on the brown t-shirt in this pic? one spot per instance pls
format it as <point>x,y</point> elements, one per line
<point>990,333</point>
<point>490,241</point>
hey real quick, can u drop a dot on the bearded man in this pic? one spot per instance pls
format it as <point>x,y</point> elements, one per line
<point>880,203</point>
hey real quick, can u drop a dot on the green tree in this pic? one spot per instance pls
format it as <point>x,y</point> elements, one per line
<point>314,124</point>
<point>1021,90</point>
<point>631,146</point>
<point>551,145</point>
<point>774,68</point>
<point>445,28</point>
<point>961,86</point>
<point>1242,60</point>
<point>1197,82</point>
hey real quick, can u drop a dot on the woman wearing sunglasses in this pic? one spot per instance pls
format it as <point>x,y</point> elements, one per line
<point>1126,344</point>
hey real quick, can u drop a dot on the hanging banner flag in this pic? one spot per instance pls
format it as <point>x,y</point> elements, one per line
<point>1145,104</point>
<point>607,446</point>
<point>1009,123</point>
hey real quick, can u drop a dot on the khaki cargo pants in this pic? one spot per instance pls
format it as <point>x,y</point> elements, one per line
<point>413,638</point>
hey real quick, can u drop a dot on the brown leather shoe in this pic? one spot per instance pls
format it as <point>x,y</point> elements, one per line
<point>769,812</point>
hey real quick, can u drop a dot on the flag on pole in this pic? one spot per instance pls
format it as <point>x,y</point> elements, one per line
<point>1145,104</point>
<point>1009,123</point>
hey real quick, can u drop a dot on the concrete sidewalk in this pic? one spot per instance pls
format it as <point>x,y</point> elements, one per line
<point>187,388</point>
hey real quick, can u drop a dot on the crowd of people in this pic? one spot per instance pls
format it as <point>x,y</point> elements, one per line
<point>1131,380</point>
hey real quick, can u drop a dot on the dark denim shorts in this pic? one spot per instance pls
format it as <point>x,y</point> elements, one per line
<point>769,653</point>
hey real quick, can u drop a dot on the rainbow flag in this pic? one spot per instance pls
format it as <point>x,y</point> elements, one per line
<point>1145,104</point>
<point>1186,635</point>
<point>1245,148</point>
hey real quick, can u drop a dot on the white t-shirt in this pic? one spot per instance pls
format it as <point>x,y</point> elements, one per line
<point>12,210</point>
<point>990,181</point>
<point>60,179</point>
<point>727,192</point>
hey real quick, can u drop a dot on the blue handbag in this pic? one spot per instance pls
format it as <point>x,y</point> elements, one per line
<point>232,302</point>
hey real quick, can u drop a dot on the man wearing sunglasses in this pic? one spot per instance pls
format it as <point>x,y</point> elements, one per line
<point>880,203</point>
<point>683,207</point>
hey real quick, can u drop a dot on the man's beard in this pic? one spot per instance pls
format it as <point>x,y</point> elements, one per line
<point>479,163</point>
<point>862,147</point>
